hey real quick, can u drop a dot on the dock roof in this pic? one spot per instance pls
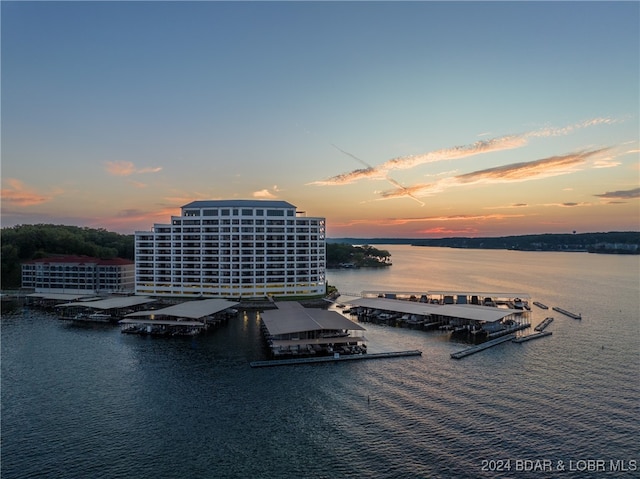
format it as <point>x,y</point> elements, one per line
<point>292,317</point>
<point>190,309</point>
<point>62,296</point>
<point>111,303</point>
<point>161,322</point>
<point>466,311</point>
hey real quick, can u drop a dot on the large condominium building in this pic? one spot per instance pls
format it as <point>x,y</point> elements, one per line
<point>78,274</point>
<point>232,249</point>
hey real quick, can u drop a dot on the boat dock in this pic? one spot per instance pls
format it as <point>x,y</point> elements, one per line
<point>544,324</point>
<point>509,330</point>
<point>540,305</point>
<point>331,359</point>
<point>529,337</point>
<point>567,313</point>
<point>481,347</point>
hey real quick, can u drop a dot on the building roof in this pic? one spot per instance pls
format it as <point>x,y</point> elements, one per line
<point>466,311</point>
<point>238,204</point>
<point>190,309</point>
<point>80,259</point>
<point>112,303</point>
<point>292,317</point>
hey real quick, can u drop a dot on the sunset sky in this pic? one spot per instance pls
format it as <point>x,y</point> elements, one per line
<point>417,119</point>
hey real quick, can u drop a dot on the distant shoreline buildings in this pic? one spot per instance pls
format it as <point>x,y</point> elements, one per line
<point>233,249</point>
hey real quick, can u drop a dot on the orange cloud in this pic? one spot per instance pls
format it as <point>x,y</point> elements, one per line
<point>17,193</point>
<point>427,219</point>
<point>127,168</point>
<point>407,162</point>
<point>265,193</point>
<point>442,231</point>
<point>525,171</point>
<point>515,205</point>
<point>567,204</point>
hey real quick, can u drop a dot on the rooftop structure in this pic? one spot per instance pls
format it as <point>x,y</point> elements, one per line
<point>233,249</point>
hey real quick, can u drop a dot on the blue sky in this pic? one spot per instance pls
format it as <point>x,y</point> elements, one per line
<point>387,118</point>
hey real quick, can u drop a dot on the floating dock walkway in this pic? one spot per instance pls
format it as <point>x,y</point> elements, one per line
<point>510,329</point>
<point>331,359</point>
<point>567,313</point>
<point>481,347</point>
<point>529,337</point>
<point>540,305</point>
<point>544,324</point>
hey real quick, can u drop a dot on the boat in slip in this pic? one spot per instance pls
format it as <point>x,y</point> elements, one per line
<point>93,318</point>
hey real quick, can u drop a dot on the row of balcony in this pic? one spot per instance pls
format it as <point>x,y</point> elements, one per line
<point>144,265</point>
<point>184,284</point>
<point>221,274</point>
<point>249,240</point>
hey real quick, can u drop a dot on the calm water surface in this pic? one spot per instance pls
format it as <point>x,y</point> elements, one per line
<point>83,402</point>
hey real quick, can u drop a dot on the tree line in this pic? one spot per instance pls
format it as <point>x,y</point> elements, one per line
<point>623,242</point>
<point>358,256</point>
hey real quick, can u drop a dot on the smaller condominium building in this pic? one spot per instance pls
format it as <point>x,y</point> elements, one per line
<point>233,249</point>
<point>78,274</point>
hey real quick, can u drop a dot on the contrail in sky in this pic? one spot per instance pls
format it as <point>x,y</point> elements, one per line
<point>386,177</point>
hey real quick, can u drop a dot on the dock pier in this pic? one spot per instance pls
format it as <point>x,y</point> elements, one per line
<point>544,324</point>
<point>529,337</point>
<point>331,359</point>
<point>567,313</point>
<point>481,347</point>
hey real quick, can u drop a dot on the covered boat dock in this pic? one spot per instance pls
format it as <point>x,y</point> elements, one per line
<point>459,317</point>
<point>102,309</point>
<point>183,319</point>
<point>293,330</point>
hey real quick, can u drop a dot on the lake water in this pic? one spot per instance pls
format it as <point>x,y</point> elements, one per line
<point>82,402</point>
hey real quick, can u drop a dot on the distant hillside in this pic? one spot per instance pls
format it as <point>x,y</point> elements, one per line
<point>624,242</point>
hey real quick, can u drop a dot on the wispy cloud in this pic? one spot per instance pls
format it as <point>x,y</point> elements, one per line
<point>127,168</point>
<point>16,193</point>
<point>407,162</point>
<point>567,204</point>
<point>567,130</point>
<point>621,194</point>
<point>506,207</point>
<point>525,171</point>
<point>137,184</point>
<point>608,162</point>
<point>430,219</point>
<point>266,193</point>
<point>502,143</point>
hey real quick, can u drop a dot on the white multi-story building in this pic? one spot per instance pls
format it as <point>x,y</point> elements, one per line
<point>233,249</point>
<point>78,274</point>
